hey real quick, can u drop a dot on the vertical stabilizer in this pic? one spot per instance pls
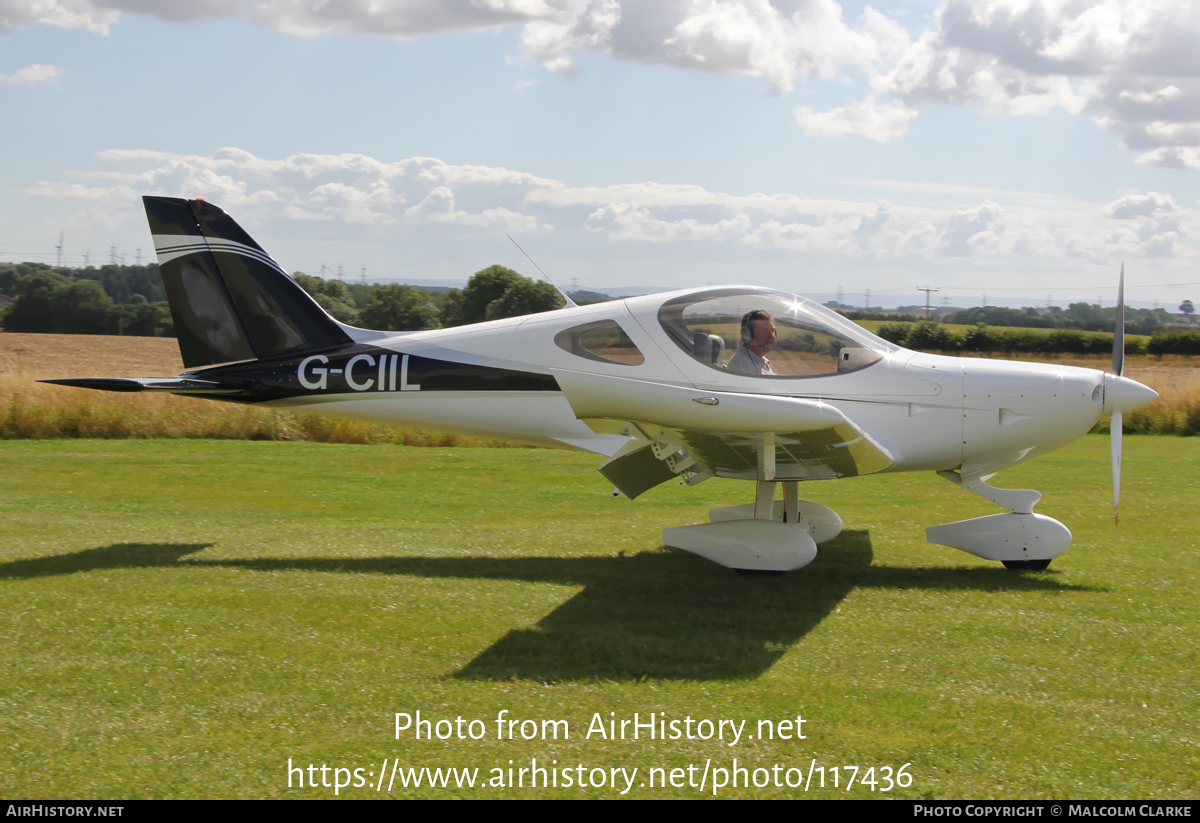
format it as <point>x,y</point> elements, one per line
<point>230,301</point>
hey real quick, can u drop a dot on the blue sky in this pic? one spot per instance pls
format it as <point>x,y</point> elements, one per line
<point>800,145</point>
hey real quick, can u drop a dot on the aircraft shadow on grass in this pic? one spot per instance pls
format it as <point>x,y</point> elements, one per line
<point>655,615</point>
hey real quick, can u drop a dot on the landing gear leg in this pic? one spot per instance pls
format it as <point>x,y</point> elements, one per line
<point>764,509</point>
<point>791,502</point>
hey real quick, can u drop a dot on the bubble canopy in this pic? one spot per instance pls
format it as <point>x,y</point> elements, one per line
<point>811,339</point>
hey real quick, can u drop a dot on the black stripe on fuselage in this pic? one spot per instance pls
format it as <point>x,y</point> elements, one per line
<point>357,370</point>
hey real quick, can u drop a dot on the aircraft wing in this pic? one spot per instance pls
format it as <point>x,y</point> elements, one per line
<point>699,434</point>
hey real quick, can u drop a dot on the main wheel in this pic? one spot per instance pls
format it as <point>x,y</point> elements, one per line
<point>1026,565</point>
<point>758,573</point>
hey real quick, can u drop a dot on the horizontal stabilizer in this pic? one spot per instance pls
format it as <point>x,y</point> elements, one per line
<point>177,385</point>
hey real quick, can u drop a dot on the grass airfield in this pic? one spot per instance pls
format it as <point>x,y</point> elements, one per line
<point>182,617</point>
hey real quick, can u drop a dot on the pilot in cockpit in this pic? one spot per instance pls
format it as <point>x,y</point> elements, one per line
<point>758,337</point>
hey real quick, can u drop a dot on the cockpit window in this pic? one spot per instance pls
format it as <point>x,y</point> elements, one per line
<point>810,340</point>
<point>603,340</point>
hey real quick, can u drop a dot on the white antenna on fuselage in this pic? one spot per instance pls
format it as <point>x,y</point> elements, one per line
<point>571,304</point>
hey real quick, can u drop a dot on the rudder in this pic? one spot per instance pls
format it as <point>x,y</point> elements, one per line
<point>230,301</point>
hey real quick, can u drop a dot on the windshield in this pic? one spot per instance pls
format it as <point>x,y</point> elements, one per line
<point>768,334</point>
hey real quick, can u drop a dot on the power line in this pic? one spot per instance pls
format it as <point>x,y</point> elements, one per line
<point>927,293</point>
<point>1056,288</point>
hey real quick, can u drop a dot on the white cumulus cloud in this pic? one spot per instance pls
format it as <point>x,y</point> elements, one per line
<point>862,119</point>
<point>66,14</point>
<point>31,75</point>
<point>424,202</point>
<point>774,41</point>
<point>345,188</point>
<point>777,41</point>
<point>1133,67</point>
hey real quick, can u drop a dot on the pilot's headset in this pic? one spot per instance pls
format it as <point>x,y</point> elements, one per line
<point>748,318</point>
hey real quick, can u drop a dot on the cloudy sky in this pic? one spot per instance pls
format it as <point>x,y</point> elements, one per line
<point>1013,148</point>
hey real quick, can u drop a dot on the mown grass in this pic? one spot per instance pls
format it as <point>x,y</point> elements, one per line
<point>181,617</point>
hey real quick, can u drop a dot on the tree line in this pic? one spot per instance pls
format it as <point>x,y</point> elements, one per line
<point>1079,316</point>
<point>130,300</point>
<point>107,300</point>
<point>490,294</point>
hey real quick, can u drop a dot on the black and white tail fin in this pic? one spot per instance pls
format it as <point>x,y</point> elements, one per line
<point>229,299</point>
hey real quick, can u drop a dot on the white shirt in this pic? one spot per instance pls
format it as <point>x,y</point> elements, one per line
<point>745,361</point>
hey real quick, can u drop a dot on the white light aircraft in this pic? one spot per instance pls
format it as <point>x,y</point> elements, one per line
<point>662,386</point>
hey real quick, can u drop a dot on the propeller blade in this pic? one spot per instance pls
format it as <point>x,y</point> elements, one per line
<point>1119,330</point>
<point>1116,425</point>
<point>1116,430</point>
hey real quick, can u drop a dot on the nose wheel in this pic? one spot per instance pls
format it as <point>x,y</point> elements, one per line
<point>1020,539</point>
<point>1026,565</point>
